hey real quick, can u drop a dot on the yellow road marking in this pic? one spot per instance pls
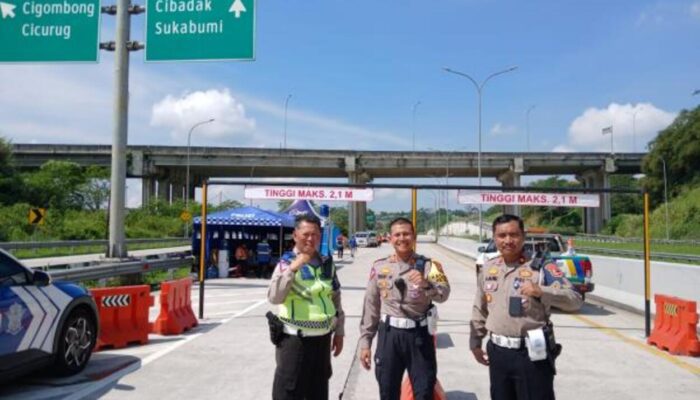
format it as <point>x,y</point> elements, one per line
<point>648,348</point>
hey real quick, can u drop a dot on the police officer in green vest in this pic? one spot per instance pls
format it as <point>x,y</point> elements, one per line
<point>306,287</point>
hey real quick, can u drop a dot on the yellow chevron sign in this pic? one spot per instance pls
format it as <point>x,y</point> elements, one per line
<point>36,216</point>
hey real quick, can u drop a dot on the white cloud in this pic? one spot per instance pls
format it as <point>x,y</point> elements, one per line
<point>633,127</point>
<point>500,129</point>
<point>563,148</point>
<point>180,114</point>
<point>695,10</point>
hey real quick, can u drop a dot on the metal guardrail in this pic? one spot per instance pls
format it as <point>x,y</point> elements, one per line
<point>80,243</point>
<point>640,254</point>
<point>118,269</point>
<point>617,239</point>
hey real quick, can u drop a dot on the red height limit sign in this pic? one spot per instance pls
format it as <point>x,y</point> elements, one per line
<point>530,199</point>
<point>308,193</point>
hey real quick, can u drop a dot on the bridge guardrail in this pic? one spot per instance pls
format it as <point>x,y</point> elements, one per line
<point>80,243</point>
<point>617,239</point>
<point>640,254</point>
<point>121,268</point>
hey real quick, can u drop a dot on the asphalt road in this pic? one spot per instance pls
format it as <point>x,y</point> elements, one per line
<point>229,355</point>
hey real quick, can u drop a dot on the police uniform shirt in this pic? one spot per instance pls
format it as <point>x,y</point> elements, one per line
<point>281,284</point>
<point>498,281</point>
<point>382,295</point>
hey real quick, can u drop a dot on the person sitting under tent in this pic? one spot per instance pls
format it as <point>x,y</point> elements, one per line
<point>240,261</point>
<point>264,258</point>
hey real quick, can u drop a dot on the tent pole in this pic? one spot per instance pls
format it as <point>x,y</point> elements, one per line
<point>281,239</point>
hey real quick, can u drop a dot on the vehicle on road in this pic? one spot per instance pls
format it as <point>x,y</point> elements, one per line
<point>578,269</point>
<point>43,323</point>
<point>366,239</point>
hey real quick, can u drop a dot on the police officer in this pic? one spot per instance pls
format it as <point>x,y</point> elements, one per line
<point>512,306</point>
<point>306,287</point>
<point>397,302</point>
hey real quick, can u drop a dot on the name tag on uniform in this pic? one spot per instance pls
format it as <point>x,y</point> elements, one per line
<point>490,286</point>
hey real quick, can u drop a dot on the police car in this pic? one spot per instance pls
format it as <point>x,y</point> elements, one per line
<point>43,323</point>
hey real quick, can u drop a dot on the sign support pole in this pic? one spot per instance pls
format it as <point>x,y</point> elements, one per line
<point>203,250</point>
<point>117,239</point>
<point>647,268</point>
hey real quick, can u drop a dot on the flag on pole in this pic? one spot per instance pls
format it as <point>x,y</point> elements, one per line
<point>607,130</point>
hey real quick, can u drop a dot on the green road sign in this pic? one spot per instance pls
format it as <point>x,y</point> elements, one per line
<point>200,30</point>
<point>49,30</point>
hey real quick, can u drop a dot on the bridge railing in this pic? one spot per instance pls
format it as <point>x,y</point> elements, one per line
<point>82,243</point>
<point>655,255</point>
<point>122,268</point>
<point>617,239</point>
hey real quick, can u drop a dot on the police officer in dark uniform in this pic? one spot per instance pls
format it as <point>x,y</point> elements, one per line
<point>512,307</point>
<point>398,305</point>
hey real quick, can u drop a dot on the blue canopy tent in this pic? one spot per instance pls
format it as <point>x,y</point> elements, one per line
<point>304,207</point>
<point>246,224</point>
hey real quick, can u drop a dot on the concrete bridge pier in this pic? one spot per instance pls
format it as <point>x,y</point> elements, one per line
<point>357,210</point>
<point>595,218</point>
<point>511,178</point>
<point>163,189</point>
<point>148,190</point>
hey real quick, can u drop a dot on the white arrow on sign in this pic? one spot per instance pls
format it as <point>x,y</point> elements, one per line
<point>8,10</point>
<point>237,7</point>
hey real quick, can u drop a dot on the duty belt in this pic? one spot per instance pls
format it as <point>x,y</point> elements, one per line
<point>327,324</point>
<point>403,323</point>
<point>509,342</point>
<point>289,330</point>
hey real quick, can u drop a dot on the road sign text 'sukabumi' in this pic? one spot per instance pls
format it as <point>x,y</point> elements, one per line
<point>49,30</point>
<point>200,30</point>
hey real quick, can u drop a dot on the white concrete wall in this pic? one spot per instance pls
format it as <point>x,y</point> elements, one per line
<point>621,279</point>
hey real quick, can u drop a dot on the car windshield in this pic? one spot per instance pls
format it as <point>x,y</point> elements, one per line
<point>360,235</point>
<point>552,245</point>
<point>551,242</point>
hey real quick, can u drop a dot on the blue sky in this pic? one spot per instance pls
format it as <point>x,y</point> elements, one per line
<point>355,70</point>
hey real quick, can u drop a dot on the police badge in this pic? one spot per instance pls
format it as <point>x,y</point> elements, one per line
<point>14,319</point>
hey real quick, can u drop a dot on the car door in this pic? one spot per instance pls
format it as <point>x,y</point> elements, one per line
<point>14,315</point>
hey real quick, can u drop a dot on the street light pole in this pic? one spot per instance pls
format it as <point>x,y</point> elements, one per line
<point>527,125</point>
<point>479,88</point>
<point>187,168</point>
<point>286,104</point>
<point>413,124</point>
<point>665,197</point>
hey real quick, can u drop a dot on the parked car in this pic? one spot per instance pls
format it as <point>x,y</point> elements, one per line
<point>43,323</point>
<point>372,239</point>
<point>578,269</point>
<point>366,239</point>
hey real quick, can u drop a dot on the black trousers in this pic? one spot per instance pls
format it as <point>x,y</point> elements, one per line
<point>399,350</point>
<point>515,377</point>
<point>303,368</point>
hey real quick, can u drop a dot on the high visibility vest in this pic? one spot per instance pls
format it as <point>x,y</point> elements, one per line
<point>309,307</point>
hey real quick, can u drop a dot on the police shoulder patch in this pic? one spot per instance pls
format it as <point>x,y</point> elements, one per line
<point>554,270</point>
<point>437,265</point>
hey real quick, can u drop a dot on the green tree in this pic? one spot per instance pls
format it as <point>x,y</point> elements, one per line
<point>11,188</point>
<point>679,147</point>
<point>283,204</point>
<point>56,186</point>
<point>339,216</point>
<point>95,191</point>
<point>625,203</point>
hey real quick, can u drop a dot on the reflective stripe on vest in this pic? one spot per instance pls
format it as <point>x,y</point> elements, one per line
<point>309,306</point>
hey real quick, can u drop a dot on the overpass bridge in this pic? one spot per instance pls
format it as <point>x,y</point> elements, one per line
<point>163,168</point>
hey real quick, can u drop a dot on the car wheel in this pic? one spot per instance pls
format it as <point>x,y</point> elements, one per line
<point>76,343</point>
